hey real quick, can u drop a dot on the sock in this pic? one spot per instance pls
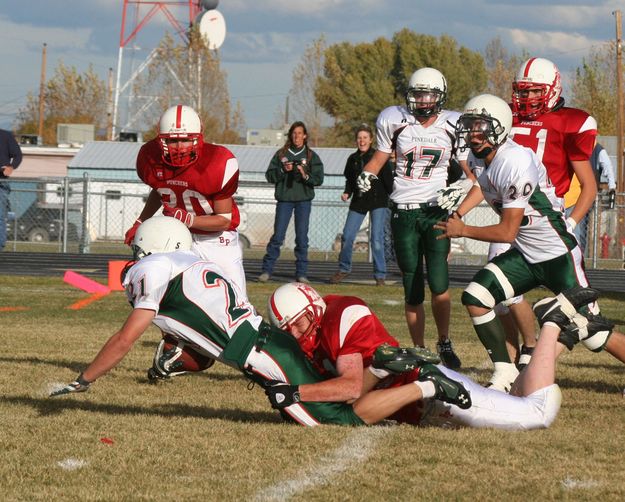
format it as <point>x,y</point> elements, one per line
<point>490,332</point>
<point>427,388</point>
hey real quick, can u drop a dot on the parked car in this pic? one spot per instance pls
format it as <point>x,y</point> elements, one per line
<point>43,224</point>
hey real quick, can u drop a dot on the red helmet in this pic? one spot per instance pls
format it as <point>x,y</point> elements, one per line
<point>180,136</point>
<point>289,303</point>
<point>536,73</point>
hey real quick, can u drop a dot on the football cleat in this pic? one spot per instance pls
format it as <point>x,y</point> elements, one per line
<point>447,354</point>
<point>402,359</point>
<point>447,390</point>
<point>563,307</point>
<point>584,326</point>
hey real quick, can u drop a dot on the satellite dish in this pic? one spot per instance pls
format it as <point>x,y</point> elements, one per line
<point>212,26</point>
<point>209,4</point>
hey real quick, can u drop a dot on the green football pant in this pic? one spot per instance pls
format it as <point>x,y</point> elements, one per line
<point>415,238</point>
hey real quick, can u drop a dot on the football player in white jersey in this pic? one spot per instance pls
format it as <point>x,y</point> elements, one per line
<point>543,251</point>
<point>422,135</point>
<point>191,300</point>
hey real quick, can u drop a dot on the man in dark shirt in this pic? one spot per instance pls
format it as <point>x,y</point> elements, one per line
<point>10,159</point>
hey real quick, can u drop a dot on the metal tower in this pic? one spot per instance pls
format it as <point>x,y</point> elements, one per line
<point>136,16</point>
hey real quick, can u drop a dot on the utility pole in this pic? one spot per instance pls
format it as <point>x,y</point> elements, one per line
<point>109,107</point>
<point>620,186</point>
<point>42,96</point>
<point>620,103</point>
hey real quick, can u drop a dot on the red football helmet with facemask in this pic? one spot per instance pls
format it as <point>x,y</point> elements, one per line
<point>289,303</point>
<point>536,73</point>
<point>180,136</point>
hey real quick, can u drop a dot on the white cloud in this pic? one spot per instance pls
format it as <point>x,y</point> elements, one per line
<point>320,8</point>
<point>557,42</point>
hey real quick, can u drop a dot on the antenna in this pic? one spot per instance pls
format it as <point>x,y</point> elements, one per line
<point>137,14</point>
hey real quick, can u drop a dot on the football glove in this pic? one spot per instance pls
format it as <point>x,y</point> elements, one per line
<point>180,214</point>
<point>451,197</point>
<point>281,394</point>
<point>78,385</point>
<point>364,181</point>
<point>130,233</point>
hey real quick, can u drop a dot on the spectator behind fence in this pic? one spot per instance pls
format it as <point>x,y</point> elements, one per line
<point>295,170</point>
<point>10,159</point>
<point>601,166</point>
<point>374,202</point>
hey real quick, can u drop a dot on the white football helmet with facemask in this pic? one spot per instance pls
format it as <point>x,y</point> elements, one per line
<point>534,74</point>
<point>180,136</point>
<point>161,234</point>
<point>427,92</point>
<point>289,303</point>
<point>485,119</point>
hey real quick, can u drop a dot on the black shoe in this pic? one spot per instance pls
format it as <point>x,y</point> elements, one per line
<point>402,360</point>
<point>447,354</point>
<point>582,327</point>
<point>447,390</point>
<point>524,357</point>
<point>563,307</point>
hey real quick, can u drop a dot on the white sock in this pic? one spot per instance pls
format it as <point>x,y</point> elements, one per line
<point>427,388</point>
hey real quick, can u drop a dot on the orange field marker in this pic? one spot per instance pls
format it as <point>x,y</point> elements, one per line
<point>87,301</point>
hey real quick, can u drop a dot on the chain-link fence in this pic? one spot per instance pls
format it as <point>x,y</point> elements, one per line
<point>83,215</point>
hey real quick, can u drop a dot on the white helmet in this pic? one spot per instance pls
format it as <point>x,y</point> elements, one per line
<point>536,73</point>
<point>485,118</point>
<point>161,234</point>
<point>290,302</point>
<point>180,123</point>
<point>427,92</point>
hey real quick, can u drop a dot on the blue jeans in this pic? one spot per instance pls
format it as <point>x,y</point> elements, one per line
<point>378,220</point>
<point>284,210</point>
<point>4,208</point>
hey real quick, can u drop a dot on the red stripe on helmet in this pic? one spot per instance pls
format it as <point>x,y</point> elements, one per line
<point>178,116</point>
<point>274,309</point>
<point>527,66</point>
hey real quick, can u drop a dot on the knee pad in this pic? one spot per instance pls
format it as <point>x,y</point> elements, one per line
<point>478,295</point>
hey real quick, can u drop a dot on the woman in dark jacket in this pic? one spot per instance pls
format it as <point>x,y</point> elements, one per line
<point>295,170</point>
<point>374,202</point>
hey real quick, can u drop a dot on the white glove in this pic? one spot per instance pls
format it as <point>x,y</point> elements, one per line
<point>363,183</point>
<point>78,385</point>
<point>451,197</point>
<point>571,223</point>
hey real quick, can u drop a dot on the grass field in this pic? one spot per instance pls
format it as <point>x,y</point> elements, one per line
<point>210,437</point>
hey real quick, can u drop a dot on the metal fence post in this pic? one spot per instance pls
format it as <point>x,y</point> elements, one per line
<point>85,239</point>
<point>65,213</point>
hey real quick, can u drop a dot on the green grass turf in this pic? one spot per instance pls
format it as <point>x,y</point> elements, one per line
<point>209,437</point>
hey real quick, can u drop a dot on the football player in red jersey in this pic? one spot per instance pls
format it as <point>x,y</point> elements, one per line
<point>194,182</point>
<point>345,338</point>
<point>562,137</point>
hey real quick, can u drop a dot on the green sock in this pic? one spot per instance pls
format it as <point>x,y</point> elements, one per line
<point>490,332</point>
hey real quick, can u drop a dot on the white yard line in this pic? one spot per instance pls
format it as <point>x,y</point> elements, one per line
<point>356,448</point>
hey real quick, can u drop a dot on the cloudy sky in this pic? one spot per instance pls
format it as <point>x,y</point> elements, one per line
<point>266,38</point>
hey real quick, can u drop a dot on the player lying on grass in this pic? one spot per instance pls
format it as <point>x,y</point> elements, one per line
<point>343,337</point>
<point>189,300</point>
